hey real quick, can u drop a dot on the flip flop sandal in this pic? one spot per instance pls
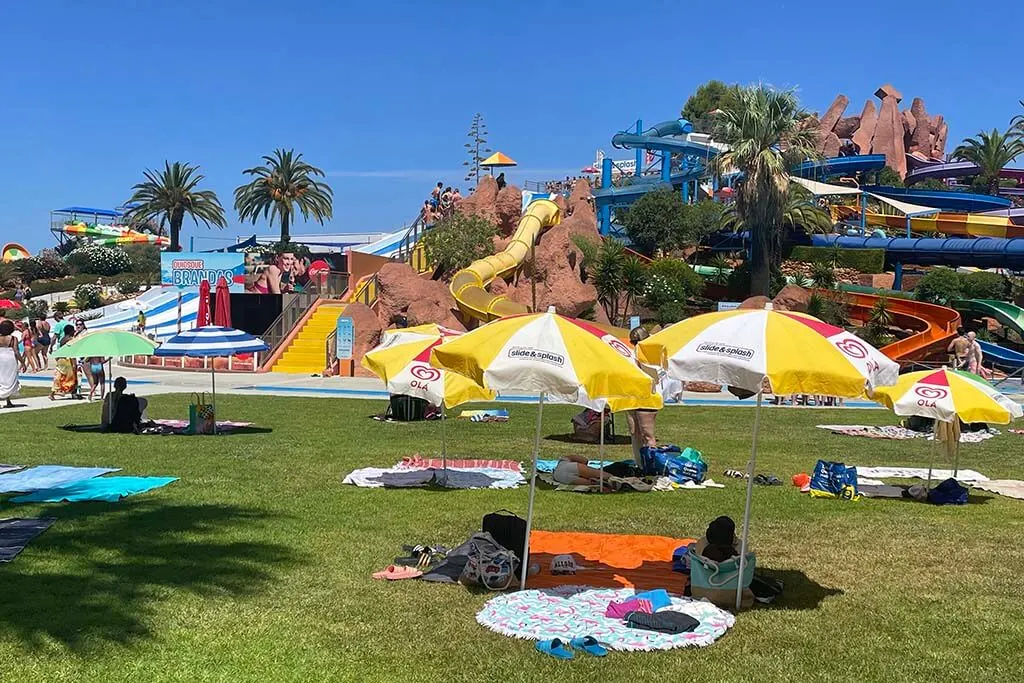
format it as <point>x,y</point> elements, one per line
<point>589,645</point>
<point>383,574</point>
<point>735,474</point>
<point>555,648</point>
<point>401,573</point>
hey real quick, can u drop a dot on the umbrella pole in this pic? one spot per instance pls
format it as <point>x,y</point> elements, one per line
<point>213,384</point>
<point>533,490</point>
<point>600,451</point>
<point>444,441</point>
<point>750,495</point>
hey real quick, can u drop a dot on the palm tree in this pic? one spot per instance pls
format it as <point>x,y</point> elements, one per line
<point>764,131</point>
<point>990,152</point>
<point>799,211</point>
<point>1017,124</point>
<point>283,183</point>
<point>165,198</point>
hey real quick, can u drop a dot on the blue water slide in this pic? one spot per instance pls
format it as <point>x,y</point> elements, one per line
<point>840,166</point>
<point>1000,357</point>
<point>961,202</point>
<point>980,252</point>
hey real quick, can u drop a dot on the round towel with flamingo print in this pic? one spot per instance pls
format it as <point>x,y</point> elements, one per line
<point>569,611</point>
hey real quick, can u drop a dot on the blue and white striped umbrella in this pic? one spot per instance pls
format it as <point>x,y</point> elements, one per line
<point>211,341</point>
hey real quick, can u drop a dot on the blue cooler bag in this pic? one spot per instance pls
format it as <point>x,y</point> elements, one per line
<point>678,465</point>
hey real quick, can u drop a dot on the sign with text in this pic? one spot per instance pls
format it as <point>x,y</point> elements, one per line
<point>345,336</point>
<point>188,269</point>
<point>728,305</point>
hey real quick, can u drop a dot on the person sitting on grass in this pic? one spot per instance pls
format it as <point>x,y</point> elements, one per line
<point>122,413</point>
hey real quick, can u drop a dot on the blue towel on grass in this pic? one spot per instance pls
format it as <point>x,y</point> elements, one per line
<point>549,465</point>
<point>109,489</point>
<point>48,477</point>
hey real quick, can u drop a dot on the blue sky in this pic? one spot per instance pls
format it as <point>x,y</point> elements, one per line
<point>380,94</point>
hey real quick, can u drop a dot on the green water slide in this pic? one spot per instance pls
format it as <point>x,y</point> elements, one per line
<point>1006,314</point>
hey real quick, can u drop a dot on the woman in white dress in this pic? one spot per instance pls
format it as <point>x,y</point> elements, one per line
<point>10,361</point>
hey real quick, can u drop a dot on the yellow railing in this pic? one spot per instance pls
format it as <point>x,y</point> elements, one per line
<point>418,259</point>
<point>366,291</point>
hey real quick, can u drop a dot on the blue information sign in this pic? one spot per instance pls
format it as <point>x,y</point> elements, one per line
<point>345,337</point>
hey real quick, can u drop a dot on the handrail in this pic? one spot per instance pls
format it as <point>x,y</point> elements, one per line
<point>291,313</point>
<point>330,285</point>
<point>411,237</point>
<point>331,351</point>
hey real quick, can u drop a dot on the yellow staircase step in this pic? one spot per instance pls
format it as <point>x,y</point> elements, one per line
<point>305,353</point>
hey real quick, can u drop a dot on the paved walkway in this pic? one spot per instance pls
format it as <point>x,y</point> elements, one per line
<point>148,382</point>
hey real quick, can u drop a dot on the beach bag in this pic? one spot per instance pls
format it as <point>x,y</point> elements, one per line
<point>708,574</point>
<point>489,565</point>
<point>678,465</point>
<point>407,408</point>
<point>834,480</point>
<point>508,530</point>
<point>949,492</point>
<point>201,415</point>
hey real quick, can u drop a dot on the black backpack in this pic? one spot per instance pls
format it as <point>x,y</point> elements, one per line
<point>508,530</point>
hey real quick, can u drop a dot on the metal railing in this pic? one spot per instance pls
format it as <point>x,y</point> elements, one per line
<point>366,291</point>
<point>411,238</point>
<point>291,313</point>
<point>330,285</point>
<point>331,351</point>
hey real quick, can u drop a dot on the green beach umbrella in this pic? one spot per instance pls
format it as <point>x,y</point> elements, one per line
<point>107,343</point>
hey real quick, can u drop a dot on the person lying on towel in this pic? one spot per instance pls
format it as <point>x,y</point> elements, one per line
<point>574,471</point>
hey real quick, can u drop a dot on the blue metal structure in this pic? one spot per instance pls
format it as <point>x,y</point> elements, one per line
<point>980,252</point>
<point>840,166</point>
<point>670,139</point>
<point>961,202</point>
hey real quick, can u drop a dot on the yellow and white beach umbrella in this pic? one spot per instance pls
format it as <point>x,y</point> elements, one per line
<point>561,359</point>
<point>402,360</point>
<point>948,395</point>
<point>796,353</point>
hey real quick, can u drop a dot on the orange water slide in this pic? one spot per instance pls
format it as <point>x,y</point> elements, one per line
<point>934,326</point>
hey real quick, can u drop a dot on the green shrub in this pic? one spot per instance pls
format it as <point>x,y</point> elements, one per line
<point>864,260</point>
<point>889,177</point>
<point>88,296</point>
<point>128,286</point>
<point>61,307</point>
<point>47,264</point>
<point>939,286</point>
<point>145,258</point>
<point>982,285</point>
<point>37,308</point>
<point>670,281</point>
<point>458,240</point>
<point>98,260</point>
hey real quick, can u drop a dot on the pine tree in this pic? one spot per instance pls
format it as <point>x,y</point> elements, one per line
<point>476,149</point>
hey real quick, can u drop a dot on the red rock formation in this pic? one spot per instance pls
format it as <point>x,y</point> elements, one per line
<point>888,91</point>
<point>400,291</point>
<point>889,134</point>
<point>939,148</point>
<point>366,334</point>
<point>920,139</point>
<point>792,298</point>
<point>830,145</point>
<point>503,207</point>
<point>755,302</point>
<point>909,124</point>
<point>833,114</point>
<point>847,127</point>
<point>863,135</point>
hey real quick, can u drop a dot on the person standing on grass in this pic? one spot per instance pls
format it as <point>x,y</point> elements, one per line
<point>10,361</point>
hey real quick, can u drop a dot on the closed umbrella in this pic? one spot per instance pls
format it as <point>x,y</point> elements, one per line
<point>211,342</point>
<point>793,352</point>
<point>203,314</point>
<point>222,304</point>
<point>559,358</point>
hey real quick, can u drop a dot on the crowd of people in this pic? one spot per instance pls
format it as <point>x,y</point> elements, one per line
<point>565,186</point>
<point>965,352</point>
<point>440,204</point>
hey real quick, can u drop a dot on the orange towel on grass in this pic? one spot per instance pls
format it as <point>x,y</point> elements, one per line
<point>611,560</point>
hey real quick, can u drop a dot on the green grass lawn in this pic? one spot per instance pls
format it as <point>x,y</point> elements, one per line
<point>256,565</point>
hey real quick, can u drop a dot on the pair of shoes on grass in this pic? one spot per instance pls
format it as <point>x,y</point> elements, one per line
<point>559,649</point>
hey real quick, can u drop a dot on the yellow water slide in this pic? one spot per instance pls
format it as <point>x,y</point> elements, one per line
<point>469,286</point>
